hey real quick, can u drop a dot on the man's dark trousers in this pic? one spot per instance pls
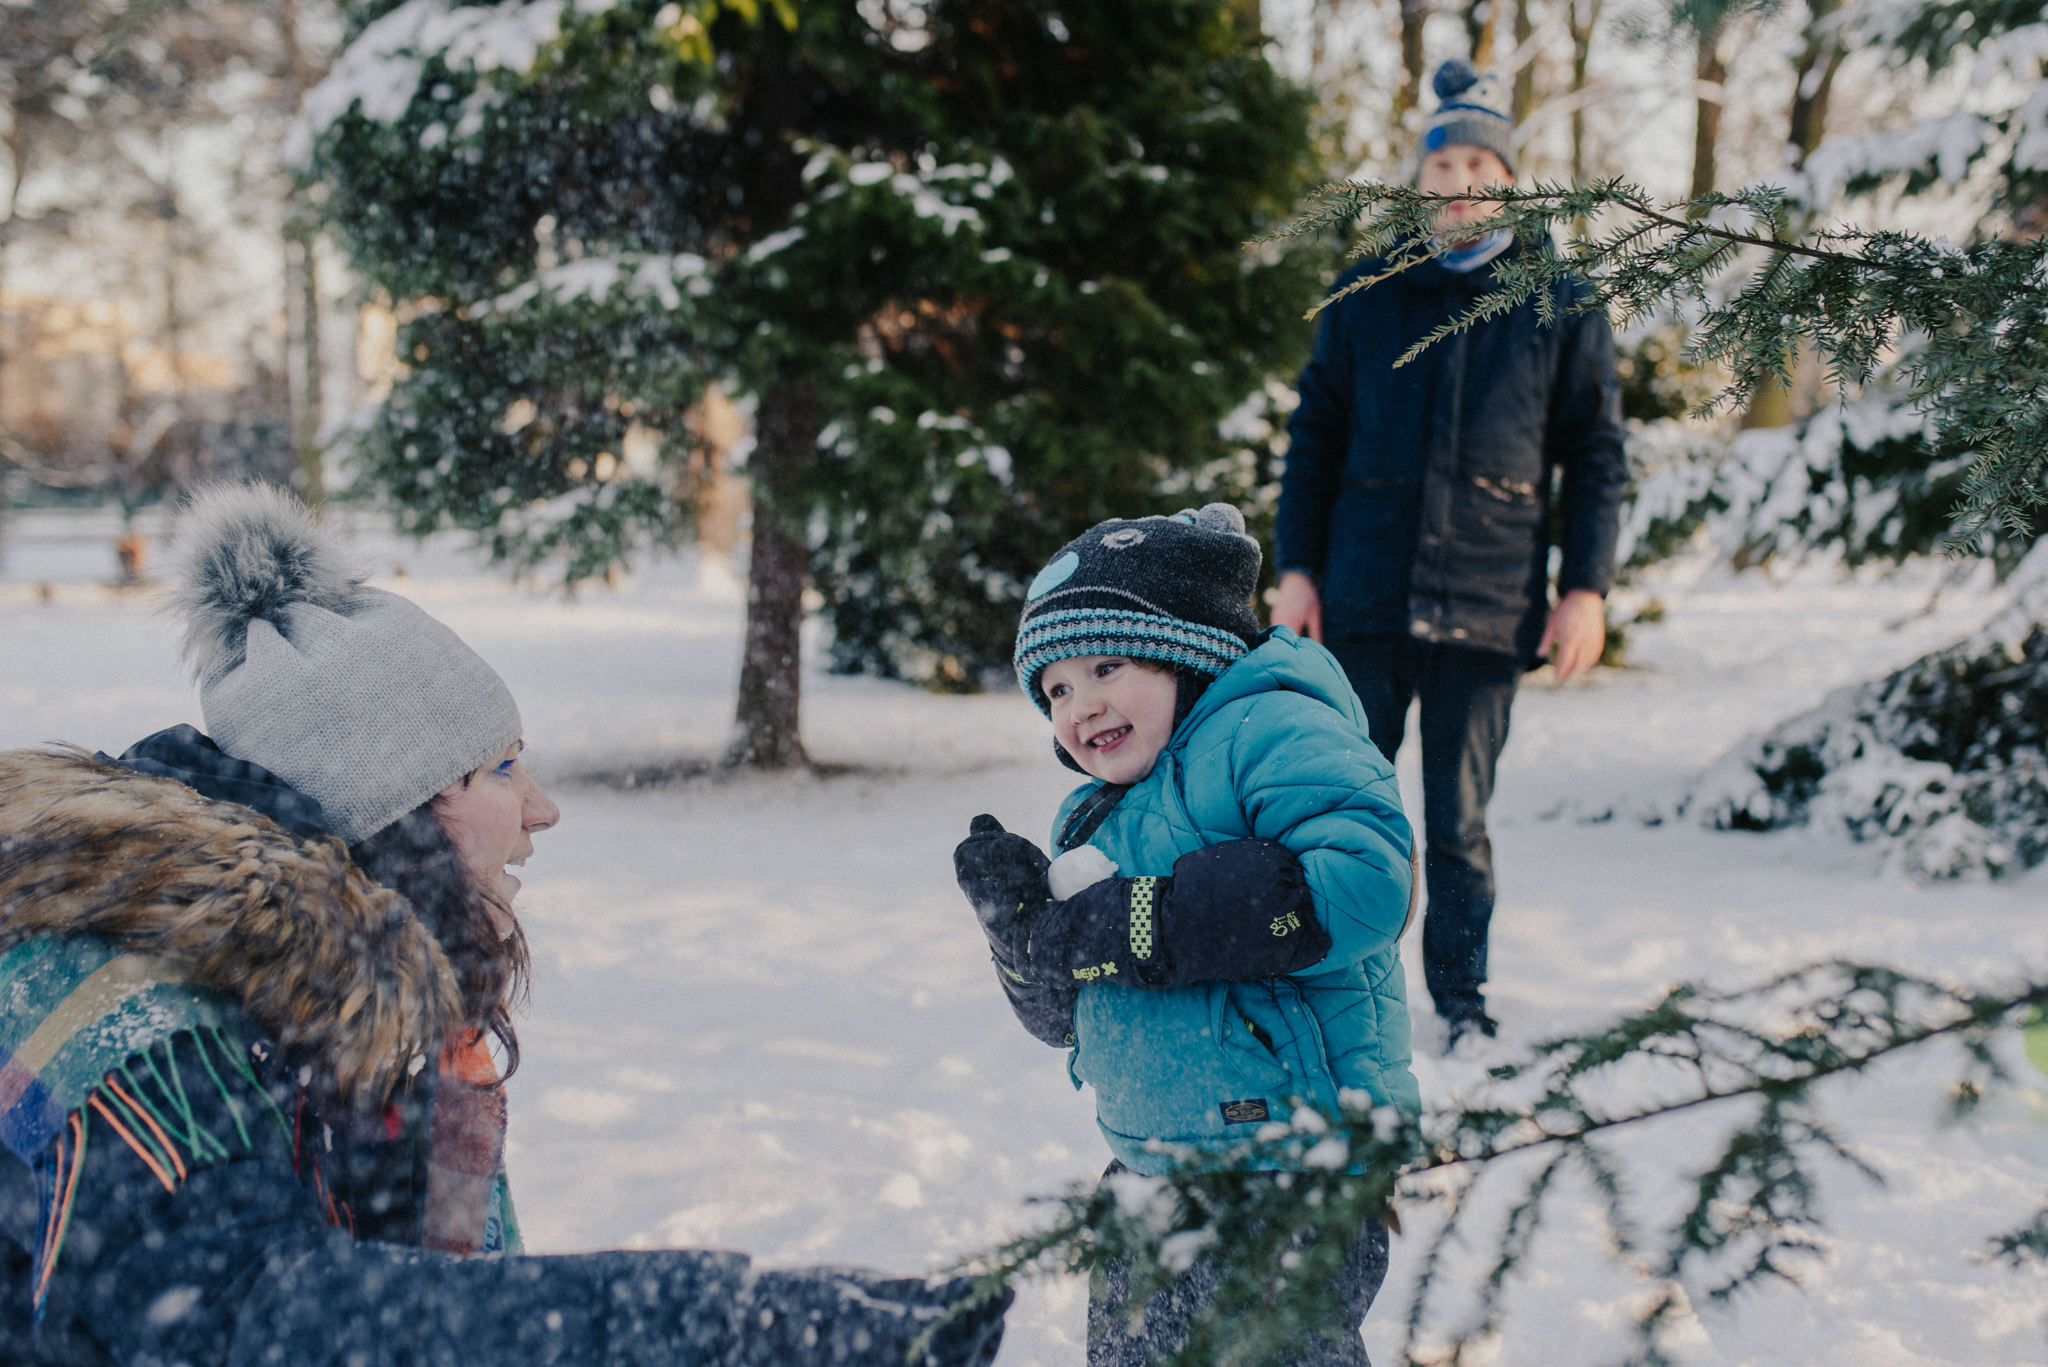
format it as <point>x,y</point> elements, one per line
<point>1466,693</point>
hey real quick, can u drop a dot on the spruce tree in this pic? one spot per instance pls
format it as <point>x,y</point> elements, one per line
<point>1861,479</point>
<point>976,268</point>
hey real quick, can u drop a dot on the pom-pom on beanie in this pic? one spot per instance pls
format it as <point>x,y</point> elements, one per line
<point>352,695</point>
<point>1177,590</point>
<point>1472,111</point>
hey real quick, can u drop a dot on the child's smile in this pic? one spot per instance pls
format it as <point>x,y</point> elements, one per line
<point>1111,714</point>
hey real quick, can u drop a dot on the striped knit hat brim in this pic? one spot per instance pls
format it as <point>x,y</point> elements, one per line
<point>1175,591</point>
<point>1064,634</point>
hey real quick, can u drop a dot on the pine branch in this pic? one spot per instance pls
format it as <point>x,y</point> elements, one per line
<point>2028,1243</point>
<point>1752,1219</point>
<point>1761,291</point>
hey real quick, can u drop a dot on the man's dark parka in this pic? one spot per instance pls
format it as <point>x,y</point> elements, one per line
<point>1419,498</point>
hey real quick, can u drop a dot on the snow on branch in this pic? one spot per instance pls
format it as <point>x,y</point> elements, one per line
<point>636,276</point>
<point>1753,1059</point>
<point>378,74</point>
<point>1844,481</point>
<point>1944,761</point>
<point>929,192</point>
<point>1947,147</point>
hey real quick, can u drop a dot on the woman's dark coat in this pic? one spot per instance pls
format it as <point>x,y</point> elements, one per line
<point>1420,498</point>
<point>284,996</point>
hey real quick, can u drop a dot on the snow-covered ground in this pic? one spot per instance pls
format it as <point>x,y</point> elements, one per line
<point>762,1019</point>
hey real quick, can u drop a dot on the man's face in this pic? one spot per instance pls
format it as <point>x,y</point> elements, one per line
<point>1111,714</point>
<point>1452,171</point>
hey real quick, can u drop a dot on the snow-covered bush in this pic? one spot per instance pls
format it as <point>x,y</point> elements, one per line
<point>1946,760</point>
<point>1857,481</point>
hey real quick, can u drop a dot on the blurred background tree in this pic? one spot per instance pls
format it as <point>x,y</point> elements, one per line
<point>975,271</point>
<point>141,349</point>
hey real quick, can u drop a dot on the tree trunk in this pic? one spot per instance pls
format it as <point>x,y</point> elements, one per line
<point>179,469</point>
<point>17,156</point>
<point>302,285</point>
<point>1338,77</point>
<point>1813,80</point>
<point>1482,19</point>
<point>1413,14</point>
<point>1710,72</point>
<point>1524,91</point>
<point>1775,404</point>
<point>766,733</point>
<point>1582,16</point>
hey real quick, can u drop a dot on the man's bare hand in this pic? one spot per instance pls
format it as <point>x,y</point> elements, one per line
<point>1298,606</point>
<point>1575,634</point>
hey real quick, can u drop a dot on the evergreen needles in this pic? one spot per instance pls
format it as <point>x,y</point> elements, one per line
<point>974,273</point>
<point>1967,327</point>
<point>1752,1060</point>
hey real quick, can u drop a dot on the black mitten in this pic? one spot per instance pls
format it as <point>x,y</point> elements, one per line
<point>1002,874</point>
<point>1232,912</point>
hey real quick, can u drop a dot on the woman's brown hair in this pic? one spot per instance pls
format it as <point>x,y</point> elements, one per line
<point>414,858</point>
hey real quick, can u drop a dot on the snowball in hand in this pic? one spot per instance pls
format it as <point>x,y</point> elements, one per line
<point>1077,869</point>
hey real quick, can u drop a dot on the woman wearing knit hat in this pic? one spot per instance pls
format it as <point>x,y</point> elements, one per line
<point>1218,941</point>
<point>251,985</point>
<point>1414,534</point>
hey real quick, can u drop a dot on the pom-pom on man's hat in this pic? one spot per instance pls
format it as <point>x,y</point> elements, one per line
<point>1173,589</point>
<point>352,695</point>
<point>1472,111</point>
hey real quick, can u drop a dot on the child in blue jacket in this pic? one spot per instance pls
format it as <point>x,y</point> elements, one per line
<point>1219,940</point>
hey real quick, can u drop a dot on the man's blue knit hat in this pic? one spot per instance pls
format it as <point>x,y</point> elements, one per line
<point>1173,589</point>
<point>1471,111</point>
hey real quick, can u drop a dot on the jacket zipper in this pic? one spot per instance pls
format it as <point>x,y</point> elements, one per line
<point>1320,1061</point>
<point>1170,780</point>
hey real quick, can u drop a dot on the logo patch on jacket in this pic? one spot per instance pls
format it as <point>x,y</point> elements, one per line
<point>1243,1112</point>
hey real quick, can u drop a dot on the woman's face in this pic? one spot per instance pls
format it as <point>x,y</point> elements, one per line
<point>490,818</point>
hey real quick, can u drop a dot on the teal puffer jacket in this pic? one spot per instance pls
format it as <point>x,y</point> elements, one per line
<point>1275,748</point>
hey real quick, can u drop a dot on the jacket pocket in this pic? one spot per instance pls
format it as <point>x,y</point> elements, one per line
<point>1169,1065</point>
<point>1314,1078</point>
<point>1512,492</point>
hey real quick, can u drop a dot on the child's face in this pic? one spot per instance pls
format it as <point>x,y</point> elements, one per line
<point>1111,713</point>
<point>1453,170</point>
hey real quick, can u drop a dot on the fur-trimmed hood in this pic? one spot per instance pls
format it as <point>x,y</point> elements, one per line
<point>331,965</point>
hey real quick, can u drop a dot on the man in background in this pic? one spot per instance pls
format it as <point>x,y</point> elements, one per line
<point>1418,506</point>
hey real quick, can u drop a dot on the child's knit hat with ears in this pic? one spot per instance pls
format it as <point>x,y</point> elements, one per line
<point>1472,111</point>
<point>1173,589</point>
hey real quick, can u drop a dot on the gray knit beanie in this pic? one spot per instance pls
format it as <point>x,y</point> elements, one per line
<point>1471,111</point>
<point>353,696</point>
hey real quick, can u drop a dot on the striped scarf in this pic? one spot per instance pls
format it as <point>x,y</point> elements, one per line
<point>468,1207</point>
<point>86,1033</point>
